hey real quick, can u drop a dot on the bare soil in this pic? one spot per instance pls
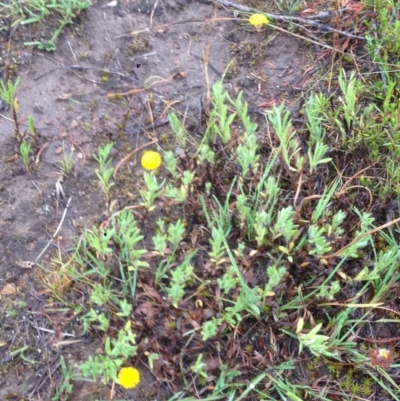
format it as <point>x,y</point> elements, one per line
<point>115,75</point>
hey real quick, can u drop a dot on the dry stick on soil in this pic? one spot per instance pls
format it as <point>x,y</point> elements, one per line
<point>131,154</point>
<point>306,39</point>
<point>368,190</point>
<point>204,66</point>
<point>40,153</point>
<point>139,90</point>
<point>291,19</point>
<point>298,191</point>
<point>206,20</point>
<point>343,189</point>
<point>148,106</point>
<point>6,118</point>
<point>83,153</point>
<point>205,59</point>
<point>370,232</point>
<point>341,192</point>
<point>167,107</point>
<point>56,232</point>
<point>81,67</point>
<point>44,378</point>
<point>141,129</point>
<point>152,13</point>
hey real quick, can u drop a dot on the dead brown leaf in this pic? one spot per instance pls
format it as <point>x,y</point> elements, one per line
<point>9,289</point>
<point>151,293</point>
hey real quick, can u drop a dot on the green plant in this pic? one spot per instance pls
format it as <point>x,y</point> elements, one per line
<point>11,313</point>
<point>31,126</point>
<point>7,94</point>
<point>247,151</point>
<point>289,6</point>
<point>66,387</point>
<point>35,11</point>
<point>178,129</point>
<point>66,163</point>
<point>220,120</point>
<point>25,149</point>
<point>316,343</point>
<point>171,163</point>
<point>152,192</point>
<point>116,352</point>
<point>105,172</point>
<point>199,367</point>
<point>268,239</point>
<point>179,279</point>
<point>289,145</point>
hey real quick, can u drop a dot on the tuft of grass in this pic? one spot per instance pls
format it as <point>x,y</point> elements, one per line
<point>27,12</point>
<point>66,163</point>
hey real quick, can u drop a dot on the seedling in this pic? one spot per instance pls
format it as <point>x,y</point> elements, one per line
<point>289,6</point>
<point>153,190</point>
<point>316,343</point>
<point>25,149</point>
<point>105,172</point>
<point>32,130</point>
<point>64,390</point>
<point>7,94</point>
<point>199,367</point>
<point>66,163</point>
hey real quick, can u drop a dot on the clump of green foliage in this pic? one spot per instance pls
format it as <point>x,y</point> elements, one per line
<point>256,255</point>
<point>36,11</point>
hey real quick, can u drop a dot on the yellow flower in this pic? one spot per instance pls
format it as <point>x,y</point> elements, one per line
<point>258,20</point>
<point>129,377</point>
<point>384,353</point>
<point>151,160</point>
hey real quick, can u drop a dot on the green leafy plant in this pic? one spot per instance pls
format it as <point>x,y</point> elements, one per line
<point>116,352</point>
<point>7,94</point>
<point>152,192</point>
<point>25,149</point>
<point>35,11</point>
<point>316,343</point>
<point>105,172</point>
<point>32,130</point>
<point>199,367</point>
<point>289,6</point>
<point>230,244</point>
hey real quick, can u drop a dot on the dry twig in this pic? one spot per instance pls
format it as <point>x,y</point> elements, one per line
<point>56,232</point>
<point>301,21</point>
<point>129,155</point>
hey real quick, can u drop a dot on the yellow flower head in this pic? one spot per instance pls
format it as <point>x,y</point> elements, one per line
<point>129,377</point>
<point>384,353</point>
<point>151,160</point>
<point>258,20</point>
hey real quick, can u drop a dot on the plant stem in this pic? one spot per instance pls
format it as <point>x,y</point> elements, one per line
<point>262,83</point>
<point>17,131</point>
